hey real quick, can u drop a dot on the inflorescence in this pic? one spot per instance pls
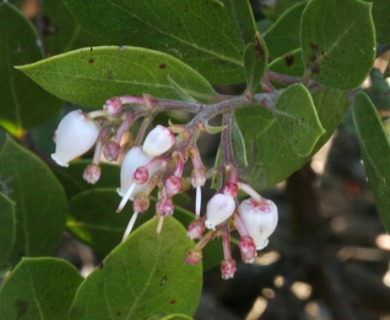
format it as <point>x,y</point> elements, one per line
<point>158,161</point>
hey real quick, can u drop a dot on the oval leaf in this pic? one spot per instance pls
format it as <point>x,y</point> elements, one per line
<point>201,33</point>
<point>270,156</point>
<point>90,76</point>
<point>40,201</point>
<point>144,276</point>
<point>23,104</point>
<point>375,147</point>
<point>298,119</point>
<point>338,50</point>
<point>39,288</point>
<point>7,227</point>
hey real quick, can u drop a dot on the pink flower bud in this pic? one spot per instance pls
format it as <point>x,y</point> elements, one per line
<point>193,256</point>
<point>260,219</point>
<point>134,159</point>
<point>111,151</point>
<point>158,141</point>
<point>173,185</point>
<point>92,173</point>
<point>141,204</point>
<point>228,268</point>
<point>230,189</point>
<point>113,106</point>
<point>247,249</point>
<point>196,229</point>
<point>219,208</point>
<point>75,135</point>
<point>165,207</point>
<point>141,175</point>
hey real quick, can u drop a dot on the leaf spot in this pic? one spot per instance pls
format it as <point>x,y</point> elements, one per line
<point>314,65</point>
<point>259,49</point>
<point>173,301</point>
<point>91,60</point>
<point>163,281</point>
<point>22,307</point>
<point>48,28</point>
<point>289,60</point>
<point>162,66</point>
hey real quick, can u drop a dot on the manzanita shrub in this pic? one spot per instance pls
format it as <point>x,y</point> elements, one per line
<point>125,69</point>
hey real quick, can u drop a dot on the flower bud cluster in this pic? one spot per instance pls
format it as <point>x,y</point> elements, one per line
<point>157,161</point>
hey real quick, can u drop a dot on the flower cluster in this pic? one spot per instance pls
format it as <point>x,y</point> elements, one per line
<point>158,161</point>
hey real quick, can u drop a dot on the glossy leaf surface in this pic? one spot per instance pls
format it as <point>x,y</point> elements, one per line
<point>201,33</point>
<point>90,76</point>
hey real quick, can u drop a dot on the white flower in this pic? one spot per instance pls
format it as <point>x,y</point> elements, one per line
<point>134,159</point>
<point>75,135</point>
<point>260,219</point>
<point>158,141</point>
<point>219,208</point>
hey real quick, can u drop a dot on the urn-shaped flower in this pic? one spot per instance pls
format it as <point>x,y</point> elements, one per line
<point>158,141</point>
<point>219,208</point>
<point>75,135</point>
<point>260,219</point>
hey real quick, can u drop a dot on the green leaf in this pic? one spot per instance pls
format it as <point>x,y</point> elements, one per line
<point>283,36</point>
<point>93,219</point>
<point>239,148</point>
<point>255,61</point>
<point>23,104</point>
<point>381,13</point>
<point>91,76</point>
<point>375,148</point>
<point>270,156</point>
<point>298,119</point>
<point>201,33</point>
<point>144,276</point>
<point>290,64</point>
<point>39,288</point>
<point>7,226</point>
<point>338,50</point>
<point>40,201</point>
<point>61,31</point>
<point>241,15</point>
<point>72,180</point>
<point>274,9</point>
